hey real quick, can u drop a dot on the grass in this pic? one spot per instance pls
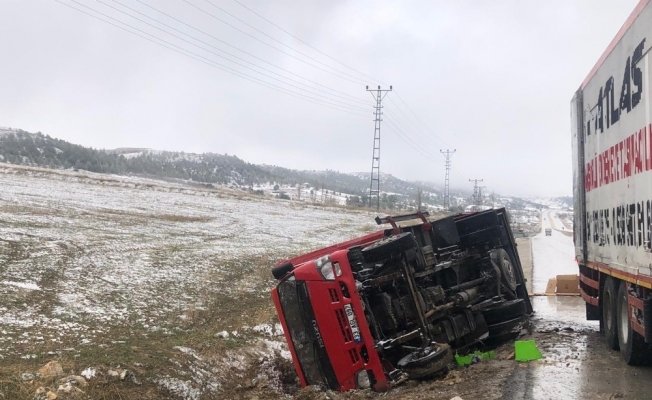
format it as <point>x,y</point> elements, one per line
<point>130,277</point>
<point>151,355</point>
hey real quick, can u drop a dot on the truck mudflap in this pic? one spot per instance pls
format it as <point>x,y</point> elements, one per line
<point>641,316</point>
<point>647,320</point>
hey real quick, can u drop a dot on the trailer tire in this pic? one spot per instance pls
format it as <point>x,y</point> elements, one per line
<point>508,276</point>
<point>281,270</point>
<point>420,367</point>
<point>609,311</point>
<point>505,311</point>
<point>632,345</point>
<point>388,246</point>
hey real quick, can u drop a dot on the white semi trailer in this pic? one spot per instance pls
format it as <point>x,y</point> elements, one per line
<point>612,181</point>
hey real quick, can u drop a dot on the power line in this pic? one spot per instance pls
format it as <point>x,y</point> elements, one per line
<point>275,48</point>
<point>204,60</point>
<point>426,128</point>
<point>409,141</point>
<point>308,44</point>
<point>276,40</point>
<point>358,99</point>
<point>352,106</point>
<point>407,121</point>
<point>418,119</point>
<point>421,140</point>
<point>414,143</point>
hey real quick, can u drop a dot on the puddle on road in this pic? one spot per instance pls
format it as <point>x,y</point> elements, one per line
<point>560,374</point>
<point>552,312</point>
<point>577,363</point>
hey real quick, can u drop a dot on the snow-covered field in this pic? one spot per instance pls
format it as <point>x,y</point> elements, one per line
<point>82,256</point>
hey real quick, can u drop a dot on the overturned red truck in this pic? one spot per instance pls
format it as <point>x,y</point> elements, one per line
<point>395,304</point>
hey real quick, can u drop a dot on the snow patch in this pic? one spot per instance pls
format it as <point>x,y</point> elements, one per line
<point>183,389</point>
<point>89,373</point>
<point>22,285</point>
<point>189,351</point>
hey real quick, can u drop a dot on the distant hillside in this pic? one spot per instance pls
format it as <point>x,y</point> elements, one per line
<point>21,147</point>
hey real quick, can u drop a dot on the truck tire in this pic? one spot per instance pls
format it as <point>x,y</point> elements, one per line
<point>609,311</point>
<point>506,265</point>
<point>280,271</point>
<point>632,345</point>
<point>505,311</point>
<point>356,259</point>
<point>386,247</point>
<point>420,367</point>
<point>505,328</point>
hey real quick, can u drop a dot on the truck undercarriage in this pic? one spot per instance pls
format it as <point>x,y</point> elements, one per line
<point>416,292</point>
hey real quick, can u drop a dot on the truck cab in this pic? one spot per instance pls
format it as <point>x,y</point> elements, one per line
<point>394,305</point>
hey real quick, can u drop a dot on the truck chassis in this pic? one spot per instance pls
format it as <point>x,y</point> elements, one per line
<point>393,305</point>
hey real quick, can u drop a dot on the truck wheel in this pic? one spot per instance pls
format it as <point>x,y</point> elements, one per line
<point>609,305</point>
<point>504,262</point>
<point>356,259</point>
<point>418,366</point>
<point>280,271</point>
<point>632,345</point>
<point>506,328</point>
<point>388,246</point>
<point>505,311</point>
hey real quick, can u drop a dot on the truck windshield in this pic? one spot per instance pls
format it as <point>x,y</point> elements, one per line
<point>306,338</point>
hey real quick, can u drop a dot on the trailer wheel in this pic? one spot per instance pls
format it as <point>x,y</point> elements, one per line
<point>506,265</point>
<point>280,271</point>
<point>632,345</point>
<point>388,246</point>
<point>418,366</point>
<point>609,311</point>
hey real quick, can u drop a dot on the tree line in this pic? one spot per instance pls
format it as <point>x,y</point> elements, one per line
<point>36,149</point>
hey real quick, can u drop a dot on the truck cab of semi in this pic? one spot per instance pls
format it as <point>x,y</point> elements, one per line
<point>393,305</point>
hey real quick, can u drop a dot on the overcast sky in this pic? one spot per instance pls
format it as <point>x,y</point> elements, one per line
<point>492,79</point>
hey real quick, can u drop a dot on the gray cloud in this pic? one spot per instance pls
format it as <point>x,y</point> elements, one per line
<point>492,79</point>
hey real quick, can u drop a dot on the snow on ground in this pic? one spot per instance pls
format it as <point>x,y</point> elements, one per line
<point>81,253</point>
<point>552,255</point>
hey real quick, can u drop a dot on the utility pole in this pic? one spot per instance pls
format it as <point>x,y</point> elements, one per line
<point>419,200</point>
<point>480,197</point>
<point>447,195</point>
<point>476,195</point>
<point>374,188</point>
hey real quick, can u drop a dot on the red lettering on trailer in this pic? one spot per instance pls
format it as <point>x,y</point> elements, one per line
<point>612,164</point>
<point>649,148</point>
<point>638,155</point>
<point>630,156</point>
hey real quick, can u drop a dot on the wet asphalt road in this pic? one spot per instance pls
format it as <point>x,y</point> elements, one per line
<point>577,363</point>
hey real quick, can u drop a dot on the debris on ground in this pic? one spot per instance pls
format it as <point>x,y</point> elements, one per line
<point>526,350</point>
<point>474,357</point>
<point>74,380</point>
<point>51,370</point>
